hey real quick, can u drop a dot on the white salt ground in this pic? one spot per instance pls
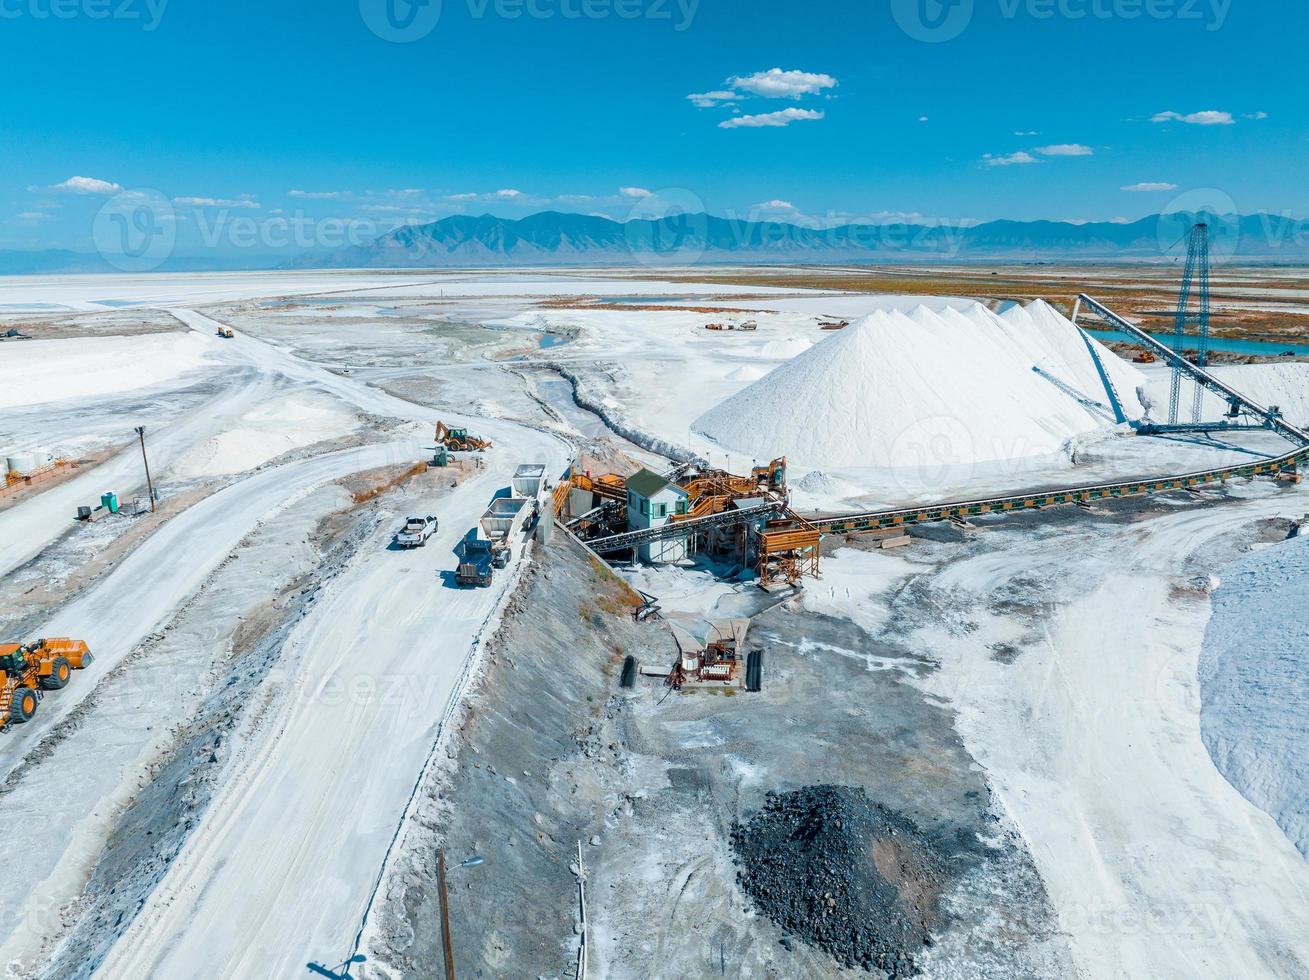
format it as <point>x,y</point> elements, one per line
<point>265,433</point>
<point>1254,684</point>
<point>43,371</point>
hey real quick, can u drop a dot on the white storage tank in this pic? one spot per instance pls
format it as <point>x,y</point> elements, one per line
<point>21,463</point>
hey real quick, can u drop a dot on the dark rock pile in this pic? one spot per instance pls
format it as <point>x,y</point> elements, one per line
<point>845,874</point>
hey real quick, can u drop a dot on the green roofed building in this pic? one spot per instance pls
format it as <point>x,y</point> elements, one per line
<point>652,502</point>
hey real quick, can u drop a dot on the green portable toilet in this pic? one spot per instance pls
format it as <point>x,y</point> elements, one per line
<point>110,502</point>
<point>442,458</point>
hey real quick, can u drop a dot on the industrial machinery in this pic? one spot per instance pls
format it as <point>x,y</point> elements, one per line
<point>458,440</point>
<point>26,672</point>
<point>1195,279</point>
<point>227,333</point>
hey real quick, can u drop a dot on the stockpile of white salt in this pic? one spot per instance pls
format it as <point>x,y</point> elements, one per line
<point>896,389</point>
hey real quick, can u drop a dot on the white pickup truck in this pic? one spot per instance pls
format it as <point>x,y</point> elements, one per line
<point>415,532</point>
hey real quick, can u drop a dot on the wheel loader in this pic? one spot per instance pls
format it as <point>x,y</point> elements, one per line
<point>27,672</point>
<point>458,440</point>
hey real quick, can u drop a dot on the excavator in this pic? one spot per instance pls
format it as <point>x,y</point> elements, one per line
<point>27,672</point>
<point>458,440</point>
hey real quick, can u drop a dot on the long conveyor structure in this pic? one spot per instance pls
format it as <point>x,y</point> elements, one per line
<point>1287,464</point>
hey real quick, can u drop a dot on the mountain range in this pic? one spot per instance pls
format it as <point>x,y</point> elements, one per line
<point>552,238</point>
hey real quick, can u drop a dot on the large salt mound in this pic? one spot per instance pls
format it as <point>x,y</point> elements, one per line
<point>897,390</point>
<point>1284,385</point>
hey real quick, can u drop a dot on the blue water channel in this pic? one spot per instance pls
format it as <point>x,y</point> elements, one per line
<point>1264,348</point>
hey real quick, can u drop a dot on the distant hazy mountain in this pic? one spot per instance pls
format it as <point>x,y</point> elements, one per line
<point>552,238</point>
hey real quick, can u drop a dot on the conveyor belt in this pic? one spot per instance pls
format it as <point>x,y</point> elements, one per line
<point>880,520</point>
<point>681,529</point>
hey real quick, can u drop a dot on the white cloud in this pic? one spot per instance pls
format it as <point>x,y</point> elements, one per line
<point>211,202</point>
<point>778,84</point>
<point>33,216</point>
<point>634,192</point>
<point>782,118</point>
<point>508,194</point>
<point>1146,187</point>
<point>922,119</point>
<point>1065,150</point>
<point>87,185</point>
<point>320,195</point>
<point>1011,160</point>
<point>775,205</point>
<point>464,197</point>
<point>1027,132</point>
<point>707,100</point>
<point>1209,117</point>
<point>1255,115</point>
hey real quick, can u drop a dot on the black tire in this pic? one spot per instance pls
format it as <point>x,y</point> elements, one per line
<point>629,672</point>
<point>61,672</point>
<point>24,706</point>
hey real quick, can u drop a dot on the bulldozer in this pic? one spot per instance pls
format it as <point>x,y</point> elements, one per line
<point>27,672</point>
<point>458,440</point>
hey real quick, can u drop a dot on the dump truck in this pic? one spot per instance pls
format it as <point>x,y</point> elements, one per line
<point>28,671</point>
<point>227,333</point>
<point>416,531</point>
<point>476,563</point>
<point>502,519</point>
<point>529,480</point>
<point>458,440</point>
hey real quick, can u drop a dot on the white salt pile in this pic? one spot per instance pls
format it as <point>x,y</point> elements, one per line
<point>784,349</point>
<point>747,373</point>
<point>1283,385</point>
<point>894,390</point>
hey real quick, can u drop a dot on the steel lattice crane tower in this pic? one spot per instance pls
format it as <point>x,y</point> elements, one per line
<point>1196,279</point>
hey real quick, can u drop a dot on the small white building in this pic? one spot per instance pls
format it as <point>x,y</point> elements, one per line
<point>652,502</point>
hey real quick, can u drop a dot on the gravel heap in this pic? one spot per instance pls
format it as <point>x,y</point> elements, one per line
<point>847,875</point>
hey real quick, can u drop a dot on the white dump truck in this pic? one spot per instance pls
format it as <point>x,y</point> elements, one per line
<point>502,521</point>
<point>529,480</point>
<point>415,532</point>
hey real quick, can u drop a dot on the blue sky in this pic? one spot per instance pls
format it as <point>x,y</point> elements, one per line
<point>296,109</point>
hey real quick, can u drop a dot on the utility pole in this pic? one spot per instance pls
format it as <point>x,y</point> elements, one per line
<point>140,432</point>
<point>446,945</point>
